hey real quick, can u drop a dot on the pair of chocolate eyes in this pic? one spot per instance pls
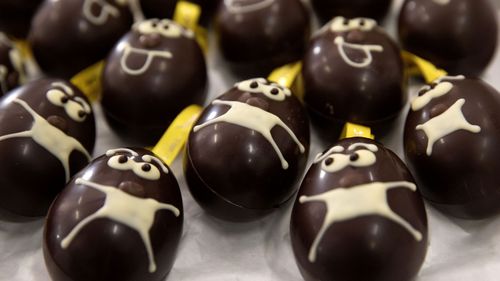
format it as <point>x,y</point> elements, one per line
<point>145,167</point>
<point>155,24</point>
<point>353,157</point>
<point>255,85</point>
<point>81,113</point>
<point>361,22</point>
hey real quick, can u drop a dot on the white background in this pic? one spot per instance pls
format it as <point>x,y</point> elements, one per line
<point>215,250</point>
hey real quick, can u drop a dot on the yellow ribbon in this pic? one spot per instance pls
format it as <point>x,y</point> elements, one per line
<point>352,130</point>
<point>289,76</point>
<point>417,66</point>
<point>89,81</point>
<point>188,15</point>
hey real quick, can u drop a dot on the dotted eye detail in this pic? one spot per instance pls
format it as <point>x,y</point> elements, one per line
<point>262,86</point>
<point>76,107</point>
<point>146,167</point>
<point>338,161</point>
<point>122,159</point>
<point>141,169</point>
<point>354,157</point>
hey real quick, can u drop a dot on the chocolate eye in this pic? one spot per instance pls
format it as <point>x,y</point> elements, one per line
<point>275,91</point>
<point>122,159</point>
<point>329,161</point>
<point>254,85</point>
<point>146,167</point>
<point>346,22</point>
<point>154,24</point>
<point>64,99</point>
<point>354,157</point>
<point>362,22</point>
<point>81,113</point>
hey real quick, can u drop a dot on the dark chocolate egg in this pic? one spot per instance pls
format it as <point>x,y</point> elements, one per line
<point>120,218</point>
<point>247,151</point>
<point>256,36</point>
<point>166,8</point>
<point>11,65</point>
<point>47,133</point>
<point>327,9</point>
<point>451,142</point>
<point>67,36</point>
<point>459,36</point>
<point>358,216</point>
<point>15,16</point>
<point>353,72</point>
<point>154,72</point>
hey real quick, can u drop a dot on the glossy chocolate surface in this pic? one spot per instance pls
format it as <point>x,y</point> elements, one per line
<point>459,36</point>
<point>327,9</point>
<point>353,72</point>
<point>454,156</point>
<point>47,131</point>
<point>165,8</point>
<point>231,167</point>
<point>152,74</point>
<point>101,226</point>
<point>358,216</point>
<point>11,67</point>
<point>67,36</point>
<point>16,15</point>
<point>256,36</point>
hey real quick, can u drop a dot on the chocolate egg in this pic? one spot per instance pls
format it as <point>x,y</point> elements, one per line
<point>353,72</point>
<point>67,36</point>
<point>247,151</point>
<point>15,16</point>
<point>154,72</point>
<point>256,36</point>
<point>120,218</point>
<point>459,36</point>
<point>47,133</point>
<point>451,144</point>
<point>359,216</point>
<point>166,8</point>
<point>11,65</point>
<point>327,9</point>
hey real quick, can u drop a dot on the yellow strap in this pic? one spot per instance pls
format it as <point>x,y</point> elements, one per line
<point>354,130</point>
<point>419,66</point>
<point>24,48</point>
<point>289,76</point>
<point>188,15</point>
<point>175,137</point>
<point>89,81</point>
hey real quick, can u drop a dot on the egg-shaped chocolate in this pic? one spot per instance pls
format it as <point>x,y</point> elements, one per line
<point>358,216</point>
<point>255,36</point>
<point>247,151</point>
<point>327,9</point>
<point>15,16</point>
<point>353,72</point>
<point>120,218</point>
<point>451,142</point>
<point>47,134</point>
<point>154,72</point>
<point>68,36</point>
<point>11,65</point>
<point>165,8</point>
<point>459,36</point>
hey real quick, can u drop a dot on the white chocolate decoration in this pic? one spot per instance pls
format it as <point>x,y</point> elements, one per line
<point>137,167</point>
<point>439,90</point>
<point>76,107</point>
<point>253,118</point>
<point>134,212</point>
<point>271,90</point>
<point>334,160</point>
<point>164,27</point>
<point>341,24</point>
<point>147,158</point>
<point>106,11</point>
<point>245,6</point>
<point>351,203</point>
<point>442,2</point>
<point>15,59</point>
<point>49,137</point>
<point>112,152</point>
<point>452,78</point>
<point>366,49</point>
<point>150,56</point>
<point>3,78</point>
<point>446,123</point>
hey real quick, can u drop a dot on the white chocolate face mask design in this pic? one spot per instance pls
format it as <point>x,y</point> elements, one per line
<point>49,137</point>
<point>150,56</point>
<point>62,95</point>
<point>271,90</point>
<point>143,169</point>
<point>164,27</point>
<point>344,204</point>
<point>335,160</point>
<point>366,49</point>
<point>134,212</point>
<point>256,119</point>
<point>441,88</point>
<point>246,6</point>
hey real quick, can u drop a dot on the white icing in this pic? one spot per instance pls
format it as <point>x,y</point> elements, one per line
<point>322,156</point>
<point>368,146</point>
<point>256,119</point>
<point>440,90</point>
<point>112,152</point>
<point>15,59</point>
<point>341,24</point>
<point>164,27</point>
<point>3,78</point>
<point>73,105</point>
<point>134,212</point>
<point>362,200</point>
<point>365,157</point>
<point>136,167</point>
<point>442,2</point>
<point>106,11</point>
<point>446,123</point>
<point>366,49</point>
<point>452,78</point>
<point>264,88</point>
<point>49,137</point>
<point>150,56</point>
<point>150,159</point>
<point>245,6</point>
